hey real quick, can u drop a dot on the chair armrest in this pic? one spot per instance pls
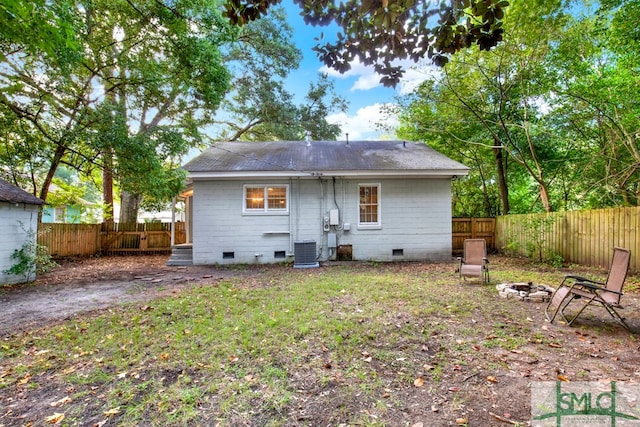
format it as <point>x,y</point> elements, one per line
<point>594,287</point>
<point>583,279</point>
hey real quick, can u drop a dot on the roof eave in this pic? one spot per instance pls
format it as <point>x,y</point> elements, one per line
<point>434,173</point>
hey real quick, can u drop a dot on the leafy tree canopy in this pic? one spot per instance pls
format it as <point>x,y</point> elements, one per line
<point>376,32</point>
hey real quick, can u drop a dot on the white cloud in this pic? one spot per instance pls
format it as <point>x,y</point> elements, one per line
<point>366,123</point>
<point>414,75</point>
<point>367,78</point>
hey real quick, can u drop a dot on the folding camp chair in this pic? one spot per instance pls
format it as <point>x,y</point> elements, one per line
<point>607,294</point>
<point>474,262</point>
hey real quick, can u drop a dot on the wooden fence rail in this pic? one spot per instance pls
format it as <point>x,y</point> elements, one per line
<point>70,239</point>
<point>580,237</point>
<point>65,240</point>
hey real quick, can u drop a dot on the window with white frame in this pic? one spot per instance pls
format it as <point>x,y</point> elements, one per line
<point>59,214</point>
<point>266,199</point>
<point>369,206</point>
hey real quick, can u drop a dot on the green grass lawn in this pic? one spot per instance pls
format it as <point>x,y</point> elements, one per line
<point>354,344</point>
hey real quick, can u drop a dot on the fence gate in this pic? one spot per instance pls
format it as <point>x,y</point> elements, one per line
<point>472,228</point>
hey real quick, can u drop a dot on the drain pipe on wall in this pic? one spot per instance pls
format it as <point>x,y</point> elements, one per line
<point>291,213</point>
<point>322,211</point>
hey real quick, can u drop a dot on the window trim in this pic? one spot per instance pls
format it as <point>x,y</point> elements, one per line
<point>60,214</point>
<point>371,225</point>
<point>265,210</point>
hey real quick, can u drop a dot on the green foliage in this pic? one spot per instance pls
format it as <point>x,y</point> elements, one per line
<point>259,108</point>
<point>146,80</point>
<point>66,194</point>
<point>555,259</point>
<point>376,33</point>
<point>512,247</point>
<point>547,120</point>
<point>538,229</point>
<point>39,27</point>
<point>31,258</point>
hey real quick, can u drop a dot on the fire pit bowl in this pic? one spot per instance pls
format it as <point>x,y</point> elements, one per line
<point>525,291</point>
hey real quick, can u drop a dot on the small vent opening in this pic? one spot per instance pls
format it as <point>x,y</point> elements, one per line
<point>228,255</point>
<point>280,254</point>
<point>397,252</point>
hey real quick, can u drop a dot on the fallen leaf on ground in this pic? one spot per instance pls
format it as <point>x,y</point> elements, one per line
<point>62,401</point>
<point>69,370</point>
<point>112,412</point>
<point>56,418</point>
<point>418,382</point>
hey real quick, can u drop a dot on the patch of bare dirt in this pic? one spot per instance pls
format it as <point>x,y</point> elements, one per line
<point>81,285</point>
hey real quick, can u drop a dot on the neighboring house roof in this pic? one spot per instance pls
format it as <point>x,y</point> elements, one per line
<point>12,194</point>
<point>300,158</point>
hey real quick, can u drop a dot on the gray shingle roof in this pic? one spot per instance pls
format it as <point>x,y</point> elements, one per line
<point>327,157</point>
<point>12,194</point>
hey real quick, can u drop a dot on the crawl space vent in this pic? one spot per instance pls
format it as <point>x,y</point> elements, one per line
<point>304,254</point>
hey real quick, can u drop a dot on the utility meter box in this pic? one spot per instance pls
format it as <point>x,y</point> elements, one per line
<point>334,217</point>
<point>332,240</point>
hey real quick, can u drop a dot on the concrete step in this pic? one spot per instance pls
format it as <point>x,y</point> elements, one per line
<point>172,262</point>
<point>181,255</point>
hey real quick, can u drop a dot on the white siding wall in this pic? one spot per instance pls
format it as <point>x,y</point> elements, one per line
<point>13,235</point>
<point>219,226</point>
<point>416,219</point>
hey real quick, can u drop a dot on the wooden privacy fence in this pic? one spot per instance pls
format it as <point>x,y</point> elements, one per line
<point>64,240</point>
<point>472,228</point>
<point>580,237</point>
<point>91,239</point>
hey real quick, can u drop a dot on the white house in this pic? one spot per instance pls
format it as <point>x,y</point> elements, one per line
<point>18,227</point>
<point>311,201</point>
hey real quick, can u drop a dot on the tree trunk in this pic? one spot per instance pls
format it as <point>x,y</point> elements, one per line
<point>502,181</point>
<point>129,206</point>
<point>544,197</point>
<point>61,149</point>
<point>107,185</point>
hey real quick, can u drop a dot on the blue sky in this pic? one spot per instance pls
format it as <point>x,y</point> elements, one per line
<point>360,86</point>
